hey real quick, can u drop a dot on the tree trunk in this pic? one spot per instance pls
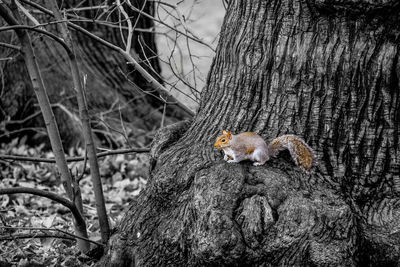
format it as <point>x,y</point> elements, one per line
<point>324,70</point>
<point>107,86</point>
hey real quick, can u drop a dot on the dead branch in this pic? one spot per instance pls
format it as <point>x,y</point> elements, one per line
<point>43,229</point>
<point>73,159</point>
<point>33,235</point>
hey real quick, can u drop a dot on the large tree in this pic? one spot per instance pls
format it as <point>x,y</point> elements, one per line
<point>322,69</point>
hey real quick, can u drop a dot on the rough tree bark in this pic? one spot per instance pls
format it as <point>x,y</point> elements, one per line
<point>107,86</point>
<point>325,70</point>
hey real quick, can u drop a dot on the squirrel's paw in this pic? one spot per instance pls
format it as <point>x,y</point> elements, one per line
<point>256,163</point>
<point>229,158</point>
<point>231,161</point>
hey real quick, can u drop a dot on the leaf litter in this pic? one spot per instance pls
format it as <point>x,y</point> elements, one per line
<point>123,177</point>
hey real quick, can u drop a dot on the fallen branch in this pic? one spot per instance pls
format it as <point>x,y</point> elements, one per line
<point>33,235</point>
<point>67,234</point>
<point>74,159</point>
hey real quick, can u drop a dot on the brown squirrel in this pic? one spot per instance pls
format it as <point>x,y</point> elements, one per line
<point>251,146</point>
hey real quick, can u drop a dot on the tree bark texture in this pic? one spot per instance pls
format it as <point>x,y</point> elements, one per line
<point>324,70</point>
<point>107,87</point>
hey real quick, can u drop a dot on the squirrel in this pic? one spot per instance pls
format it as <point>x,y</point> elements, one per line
<point>251,146</point>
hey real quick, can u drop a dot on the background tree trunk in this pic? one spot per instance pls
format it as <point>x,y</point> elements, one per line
<point>324,70</point>
<point>107,86</point>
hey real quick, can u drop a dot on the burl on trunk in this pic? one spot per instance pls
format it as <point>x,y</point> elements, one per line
<point>324,70</point>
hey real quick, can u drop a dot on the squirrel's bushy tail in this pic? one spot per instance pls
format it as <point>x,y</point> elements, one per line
<point>301,153</point>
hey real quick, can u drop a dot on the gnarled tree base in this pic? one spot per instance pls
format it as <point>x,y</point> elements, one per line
<point>200,210</point>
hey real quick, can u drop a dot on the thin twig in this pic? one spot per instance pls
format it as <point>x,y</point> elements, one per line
<point>138,17</point>
<point>172,28</point>
<point>123,127</point>
<point>130,28</point>
<point>15,47</point>
<point>37,129</point>
<point>86,8</point>
<point>26,13</point>
<point>36,29</point>
<point>25,119</point>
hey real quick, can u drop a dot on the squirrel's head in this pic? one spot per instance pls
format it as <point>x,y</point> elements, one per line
<point>223,140</point>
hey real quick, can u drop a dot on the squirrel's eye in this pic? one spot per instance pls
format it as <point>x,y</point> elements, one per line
<point>223,140</point>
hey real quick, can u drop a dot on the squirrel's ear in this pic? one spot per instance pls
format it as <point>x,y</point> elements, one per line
<point>224,132</point>
<point>229,134</point>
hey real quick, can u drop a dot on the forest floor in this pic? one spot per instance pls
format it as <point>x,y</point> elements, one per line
<point>123,176</point>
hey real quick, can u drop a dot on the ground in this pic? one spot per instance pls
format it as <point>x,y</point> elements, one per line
<point>124,176</point>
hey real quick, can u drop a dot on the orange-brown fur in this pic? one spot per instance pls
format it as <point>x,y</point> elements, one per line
<point>250,150</point>
<point>303,154</point>
<point>243,146</point>
<point>223,140</point>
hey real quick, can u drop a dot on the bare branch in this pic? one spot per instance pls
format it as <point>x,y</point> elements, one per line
<point>37,129</point>
<point>130,28</point>
<point>26,13</point>
<point>86,8</point>
<point>25,119</point>
<point>172,28</point>
<point>149,78</point>
<point>36,29</point>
